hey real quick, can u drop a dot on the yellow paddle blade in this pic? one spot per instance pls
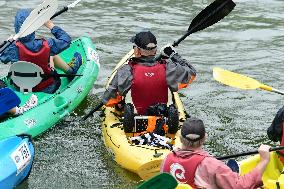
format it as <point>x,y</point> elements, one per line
<point>235,80</point>
<point>240,81</point>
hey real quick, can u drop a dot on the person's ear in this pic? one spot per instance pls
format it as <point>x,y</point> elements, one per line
<point>137,52</point>
<point>206,136</point>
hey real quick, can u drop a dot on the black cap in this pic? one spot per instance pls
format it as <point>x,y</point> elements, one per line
<point>145,40</point>
<point>193,129</point>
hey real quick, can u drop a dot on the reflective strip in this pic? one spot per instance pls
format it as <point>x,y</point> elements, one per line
<point>114,101</point>
<point>151,123</point>
<point>184,85</point>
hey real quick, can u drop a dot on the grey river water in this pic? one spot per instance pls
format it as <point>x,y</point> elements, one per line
<point>249,41</point>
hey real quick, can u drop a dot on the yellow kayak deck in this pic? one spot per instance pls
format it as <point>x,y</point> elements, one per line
<point>272,177</point>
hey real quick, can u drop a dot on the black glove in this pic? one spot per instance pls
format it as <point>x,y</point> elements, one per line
<point>168,51</point>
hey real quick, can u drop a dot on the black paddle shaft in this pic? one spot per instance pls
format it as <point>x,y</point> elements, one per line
<point>208,16</point>
<point>65,9</point>
<point>248,153</point>
<point>93,111</point>
<point>5,45</point>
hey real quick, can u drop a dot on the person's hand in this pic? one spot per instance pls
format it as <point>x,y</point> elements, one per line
<point>51,63</point>
<point>167,51</point>
<point>263,151</point>
<point>49,24</point>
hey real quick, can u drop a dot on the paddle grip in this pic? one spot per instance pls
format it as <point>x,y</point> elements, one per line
<point>3,44</point>
<point>59,75</point>
<point>59,12</point>
<point>266,87</point>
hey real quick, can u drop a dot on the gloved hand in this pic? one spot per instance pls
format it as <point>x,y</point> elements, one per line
<point>167,51</point>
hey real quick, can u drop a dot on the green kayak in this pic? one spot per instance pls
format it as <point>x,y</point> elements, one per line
<point>53,107</point>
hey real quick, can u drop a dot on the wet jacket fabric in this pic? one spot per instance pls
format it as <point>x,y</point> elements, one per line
<point>61,42</point>
<point>146,80</point>
<point>179,74</point>
<point>215,174</point>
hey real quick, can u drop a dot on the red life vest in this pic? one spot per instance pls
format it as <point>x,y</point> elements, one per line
<point>149,86</point>
<point>183,169</point>
<point>40,58</point>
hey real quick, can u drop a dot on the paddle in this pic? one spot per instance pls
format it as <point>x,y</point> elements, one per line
<point>93,111</point>
<point>249,153</point>
<point>162,180</point>
<point>65,9</point>
<point>33,22</point>
<point>36,19</point>
<point>207,17</point>
<point>8,100</point>
<point>240,81</point>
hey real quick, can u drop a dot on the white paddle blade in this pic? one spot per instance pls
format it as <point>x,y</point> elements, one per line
<point>37,18</point>
<point>73,4</point>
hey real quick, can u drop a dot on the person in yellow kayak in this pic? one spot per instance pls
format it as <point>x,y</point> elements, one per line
<point>192,165</point>
<point>147,80</point>
<point>42,52</point>
<point>275,131</point>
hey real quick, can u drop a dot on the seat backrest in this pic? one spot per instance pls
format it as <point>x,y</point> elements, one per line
<point>25,75</point>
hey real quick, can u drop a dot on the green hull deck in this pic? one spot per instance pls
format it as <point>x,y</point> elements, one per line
<point>53,107</point>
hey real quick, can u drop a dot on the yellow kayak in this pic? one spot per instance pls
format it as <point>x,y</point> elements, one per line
<point>183,186</point>
<point>143,160</point>
<point>273,178</point>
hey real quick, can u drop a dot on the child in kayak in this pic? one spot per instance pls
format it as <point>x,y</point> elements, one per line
<point>40,51</point>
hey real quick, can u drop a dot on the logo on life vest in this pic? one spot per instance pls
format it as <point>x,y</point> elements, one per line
<point>148,74</point>
<point>178,172</point>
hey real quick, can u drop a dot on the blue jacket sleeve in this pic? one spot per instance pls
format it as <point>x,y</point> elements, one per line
<point>11,54</point>
<point>61,42</point>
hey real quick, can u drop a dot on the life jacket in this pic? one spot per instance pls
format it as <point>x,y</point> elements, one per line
<point>40,58</point>
<point>183,169</point>
<point>149,86</point>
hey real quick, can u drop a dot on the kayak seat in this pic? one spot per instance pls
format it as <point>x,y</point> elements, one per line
<point>160,119</point>
<point>25,75</point>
